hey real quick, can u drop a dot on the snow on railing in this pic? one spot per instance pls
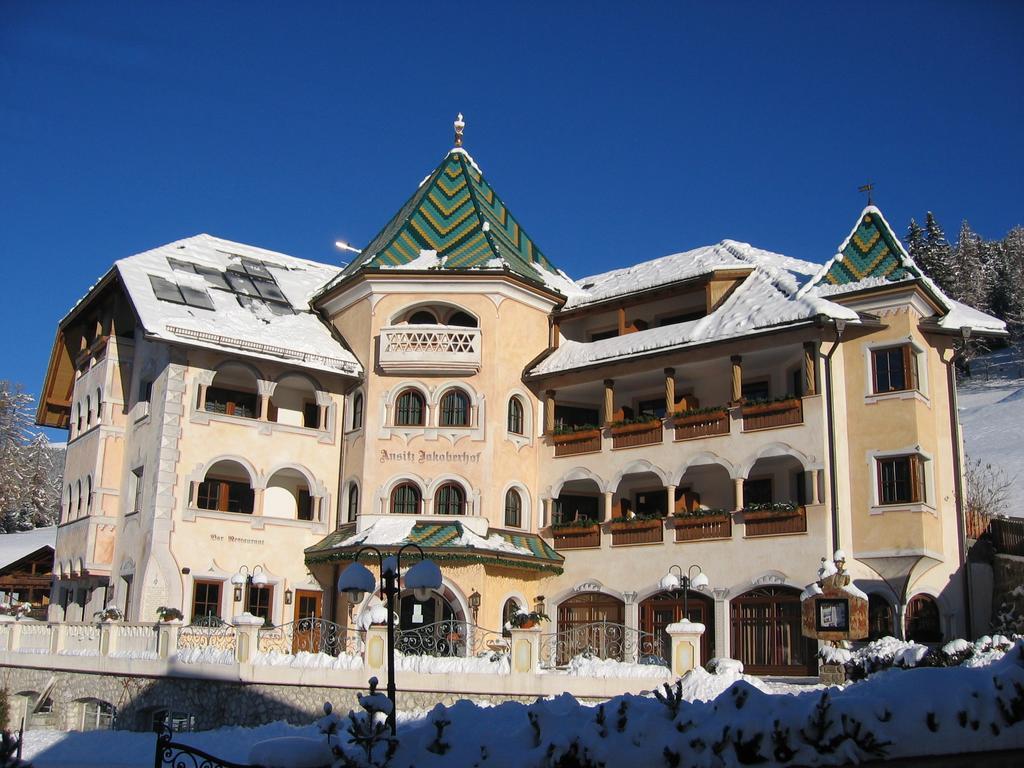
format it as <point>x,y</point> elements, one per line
<point>136,641</point>
<point>265,349</point>
<point>81,640</point>
<point>33,638</point>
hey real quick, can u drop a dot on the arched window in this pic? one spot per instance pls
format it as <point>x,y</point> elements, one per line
<point>409,409</point>
<point>78,430</point>
<point>513,509</point>
<point>454,409</point>
<point>357,410</point>
<point>88,495</point>
<point>462,319</point>
<point>67,510</point>
<point>450,500</point>
<point>226,488</point>
<point>97,715</point>
<point>405,500</point>
<point>99,406</point>
<point>511,607</point>
<point>353,502</point>
<point>78,501</point>
<point>88,411</point>
<point>923,620</point>
<point>516,421</point>
<point>422,318</point>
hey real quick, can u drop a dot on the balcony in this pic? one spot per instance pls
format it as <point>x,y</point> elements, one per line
<point>774,519</point>
<point>573,443</point>
<point>632,435</point>
<point>570,536</point>
<point>704,526</point>
<point>780,413</point>
<point>636,531</point>
<point>709,423</point>
<point>411,349</point>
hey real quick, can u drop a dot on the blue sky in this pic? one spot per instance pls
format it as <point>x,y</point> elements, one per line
<point>616,132</point>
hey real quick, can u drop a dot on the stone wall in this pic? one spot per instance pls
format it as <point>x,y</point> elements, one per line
<point>1007,576</point>
<point>212,703</point>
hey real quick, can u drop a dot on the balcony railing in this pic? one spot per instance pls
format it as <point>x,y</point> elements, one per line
<point>774,521</point>
<point>631,435</point>
<point>703,527</point>
<point>625,532</point>
<point>433,348</point>
<point>576,537</point>
<point>696,425</point>
<point>781,413</point>
<point>572,443</point>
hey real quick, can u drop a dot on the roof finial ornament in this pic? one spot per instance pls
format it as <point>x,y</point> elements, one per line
<point>866,188</point>
<point>460,125</point>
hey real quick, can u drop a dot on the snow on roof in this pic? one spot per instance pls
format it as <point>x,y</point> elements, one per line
<point>281,327</point>
<point>766,298</point>
<point>727,254</point>
<point>14,546</point>
<point>960,315</point>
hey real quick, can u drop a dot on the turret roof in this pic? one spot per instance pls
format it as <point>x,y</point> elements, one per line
<point>456,221</point>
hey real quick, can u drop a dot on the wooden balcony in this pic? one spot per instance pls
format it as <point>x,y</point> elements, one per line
<point>699,425</point>
<point>572,443</point>
<point>577,537</point>
<point>772,522</point>
<point>632,435</point>
<point>627,532</point>
<point>781,413</point>
<point>702,527</point>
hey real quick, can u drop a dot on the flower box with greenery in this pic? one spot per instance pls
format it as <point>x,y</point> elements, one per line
<point>524,620</point>
<point>779,404</point>
<point>771,511</point>
<point>636,424</point>
<point>570,527</point>
<point>699,415</point>
<point>566,434</point>
<point>640,522</point>
<point>700,516</point>
<point>109,614</point>
<point>165,613</point>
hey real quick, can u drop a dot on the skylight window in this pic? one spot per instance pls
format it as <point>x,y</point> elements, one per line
<point>167,290</point>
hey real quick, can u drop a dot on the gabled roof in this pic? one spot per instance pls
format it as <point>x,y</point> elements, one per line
<point>208,292</point>
<point>456,221</point>
<point>16,546</point>
<point>872,252</point>
<point>769,297</point>
<point>443,541</point>
<point>873,257</point>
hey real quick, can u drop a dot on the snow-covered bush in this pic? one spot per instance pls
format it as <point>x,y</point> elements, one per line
<point>888,652</point>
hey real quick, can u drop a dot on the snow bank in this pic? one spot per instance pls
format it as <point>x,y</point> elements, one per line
<point>306,660</point>
<point>486,664</point>
<point>205,655</point>
<point>582,666</point>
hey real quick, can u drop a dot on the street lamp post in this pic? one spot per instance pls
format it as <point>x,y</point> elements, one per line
<point>676,579</point>
<point>248,576</point>
<point>356,580</point>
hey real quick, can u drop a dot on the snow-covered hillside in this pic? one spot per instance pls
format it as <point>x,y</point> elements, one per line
<point>992,415</point>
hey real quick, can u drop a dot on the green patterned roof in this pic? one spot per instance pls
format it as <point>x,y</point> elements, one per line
<point>442,541</point>
<point>871,251</point>
<point>457,214</point>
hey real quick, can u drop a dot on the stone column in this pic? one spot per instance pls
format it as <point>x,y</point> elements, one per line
<point>108,638</point>
<point>324,402</point>
<point>203,380</point>
<point>14,636</point>
<point>737,377</point>
<point>632,650</point>
<point>549,412</point>
<point>685,645</point>
<point>246,634</point>
<point>375,653</point>
<point>57,637</point>
<point>670,510</point>
<point>547,513</point>
<point>525,651</point>
<point>738,492</point>
<point>815,493</point>
<point>608,416</point>
<point>266,391</point>
<point>670,391</point>
<point>607,506</point>
<point>167,638</point>
<point>810,368</point>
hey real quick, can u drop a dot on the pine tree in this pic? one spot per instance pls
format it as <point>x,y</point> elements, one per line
<point>936,256</point>
<point>29,479</point>
<point>969,255</point>
<point>1006,295</point>
<point>915,241</point>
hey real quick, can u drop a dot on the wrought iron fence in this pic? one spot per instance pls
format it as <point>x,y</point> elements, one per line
<point>603,640</point>
<point>207,633</point>
<point>312,635</point>
<point>450,638</point>
<point>170,754</point>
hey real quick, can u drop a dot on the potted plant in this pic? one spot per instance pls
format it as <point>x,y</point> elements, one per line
<point>110,613</point>
<point>166,613</point>
<point>523,620</point>
<point>772,510</point>
<point>698,415</point>
<point>640,423</point>
<point>758,407</point>
<point>701,515</point>
<point>578,526</point>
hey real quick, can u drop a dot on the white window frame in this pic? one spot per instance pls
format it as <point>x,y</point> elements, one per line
<point>920,358</point>
<point>928,465</point>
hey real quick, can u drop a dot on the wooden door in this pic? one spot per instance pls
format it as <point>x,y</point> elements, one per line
<point>306,630</point>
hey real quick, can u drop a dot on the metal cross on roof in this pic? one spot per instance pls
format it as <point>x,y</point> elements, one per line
<point>866,188</point>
